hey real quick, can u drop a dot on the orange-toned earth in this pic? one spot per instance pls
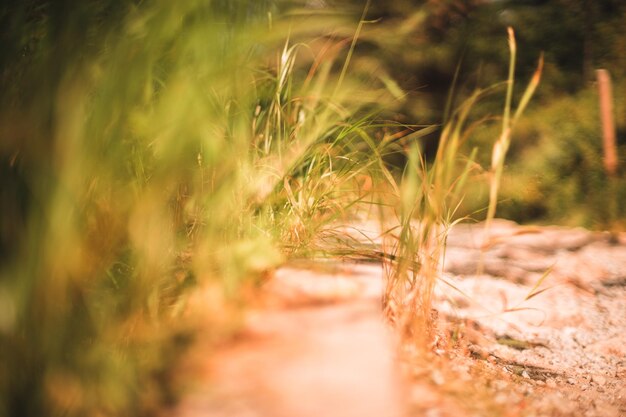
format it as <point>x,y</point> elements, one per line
<point>531,322</point>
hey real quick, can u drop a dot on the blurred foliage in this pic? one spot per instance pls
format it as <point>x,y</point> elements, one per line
<point>440,52</point>
<point>422,42</point>
<point>147,147</point>
<point>557,174</point>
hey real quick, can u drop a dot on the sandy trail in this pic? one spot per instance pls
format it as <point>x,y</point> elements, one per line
<point>316,343</point>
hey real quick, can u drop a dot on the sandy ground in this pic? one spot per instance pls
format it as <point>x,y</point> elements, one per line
<point>531,322</point>
<point>538,346</point>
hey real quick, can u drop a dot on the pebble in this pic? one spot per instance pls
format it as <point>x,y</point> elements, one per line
<point>499,385</point>
<point>598,379</point>
<point>437,377</point>
<point>501,398</point>
<point>433,413</point>
<point>571,381</point>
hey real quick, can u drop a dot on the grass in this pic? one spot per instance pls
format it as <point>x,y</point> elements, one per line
<point>181,146</point>
<point>154,148</point>
<point>429,197</point>
<point>501,146</point>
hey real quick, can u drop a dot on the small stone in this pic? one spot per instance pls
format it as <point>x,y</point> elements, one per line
<point>501,398</point>
<point>598,379</point>
<point>540,383</point>
<point>437,377</point>
<point>551,383</point>
<point>571,381</point>
<point>525,374</point>
<point>499,385</point>
<point>433,412</point>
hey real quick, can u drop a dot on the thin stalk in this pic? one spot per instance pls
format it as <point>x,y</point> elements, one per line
<point>355,38</point>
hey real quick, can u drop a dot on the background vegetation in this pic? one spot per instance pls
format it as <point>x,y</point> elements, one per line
<point>556,170</point>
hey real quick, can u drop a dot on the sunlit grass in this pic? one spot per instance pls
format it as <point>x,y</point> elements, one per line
<point>179,148</point>
<point>191,145</point>
<point>501,146</point>
<point>429,196</point>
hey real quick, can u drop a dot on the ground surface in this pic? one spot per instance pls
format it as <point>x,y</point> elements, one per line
<point>510,340</point>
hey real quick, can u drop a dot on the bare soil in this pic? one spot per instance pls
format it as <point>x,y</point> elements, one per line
<point>530,321</point>
<point>541,332</point>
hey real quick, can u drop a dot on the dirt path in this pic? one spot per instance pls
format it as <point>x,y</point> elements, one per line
<point>316,342</point>
<point>560,352</point>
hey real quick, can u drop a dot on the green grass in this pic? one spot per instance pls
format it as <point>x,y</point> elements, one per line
<point>154,148</point>
<point>180,145</point>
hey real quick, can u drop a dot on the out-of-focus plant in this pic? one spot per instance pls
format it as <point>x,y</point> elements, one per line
<point>150,147</point>
<point>557,174</point>
<point>509,120</point>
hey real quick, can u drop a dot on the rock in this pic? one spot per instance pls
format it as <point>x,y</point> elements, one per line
<point>501,398</point>
<point>499,385</point>
<point>437,377</point>
<point>598,379</point>
<point>550,239</point>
